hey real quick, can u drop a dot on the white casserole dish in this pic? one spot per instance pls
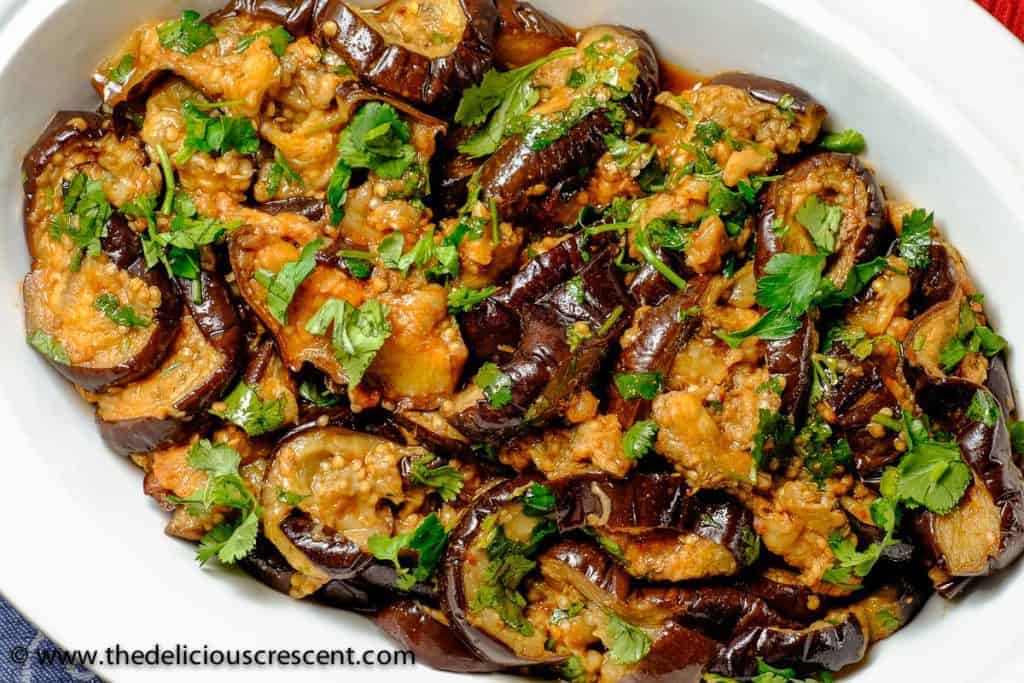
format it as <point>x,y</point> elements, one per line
<point>84,554</point>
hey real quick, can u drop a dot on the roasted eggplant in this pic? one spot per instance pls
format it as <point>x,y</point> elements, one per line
<point>547,368</point>
<point>516,170</point>
<point>425,631</point>
<point>661,333</point>
<point>525,34</point>
<point>426,53</point>
<point>164,407</point>
<point>324,496</point>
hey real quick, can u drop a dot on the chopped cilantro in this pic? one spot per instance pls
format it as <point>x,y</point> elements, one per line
<point>125,316</point>
<point>822,221</point>
<point>497,385</point>
<point>187,34</point>
<point>278,36</point>
<point>464,299</point>
<point>916,238</point>
<point>639,439</point>
<point>848,141</point>
<point>48,346</point>
<point>645,385</point>
<point>538,501</point>
<point>358,333</point>
<point>427,541</point>
<point>627,643</point>
<point>444,478</point>
<point>281,286</point>
<point>246,408</point>
<point>214,134</point>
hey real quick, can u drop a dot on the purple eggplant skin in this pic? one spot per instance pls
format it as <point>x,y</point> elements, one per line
<point>293,15</point>
<point>266,564</point>
<point>308,207</point>
<point>998,382</point>
<point>679,655</point>
<point>220,324</point>
<point>652,502</point>
<point>496,322</point>
<point>719,612</point>
<point>433,642</point>
<point>937,282</point>
<point>453,596</point>
<point>434,82</point>
<point>821,646</point>
<point>544,370</point>
<point>792,600</point>
<point>515,169</point>
<point>663,331</point>
<point>769,90</point>
<point>433,432</point>
<point>342,560</point>
<point>525,34</point>
<point>65,129</point>
<point>510,176</point>
<point>865,235</point>
<point>986,449</point>
<point>123,248</point>
<point>651,288</point>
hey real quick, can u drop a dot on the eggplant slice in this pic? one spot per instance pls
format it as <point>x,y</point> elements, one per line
<point>164,408</point>
<point>546,369</point>
<point>68,291</point>
<point>428,62</point>
<point>840,180</point>
<point>525,34</point>
<point>335,478</point>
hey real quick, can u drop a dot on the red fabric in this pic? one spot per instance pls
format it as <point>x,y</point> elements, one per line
<point>1009,12</point>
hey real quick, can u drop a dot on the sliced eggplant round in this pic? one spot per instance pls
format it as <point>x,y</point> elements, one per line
<point>164,407</point>
<point>985,533</point>
<point>546,369</point>
<point>525,34</point>
<point>658,503</point>
<point>426,632</point>
<point>771,91</point>
<point>327,491</point>
<point>493,329</point>
<point>661,333</point>
<point>76,309</point>
<point>294,15</point>
<point>840,180</point>
<point>517,172</point>
<point>424,52</point>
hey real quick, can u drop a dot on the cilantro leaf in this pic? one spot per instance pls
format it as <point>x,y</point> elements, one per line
<point>984,409</point>
<point>501,96</point>
<point>775,433</point>
<point>245,408</point>
<point>848,141</point>
<point>853,565</point>
<point>125,316</point>
<point>48,346</point>
<point>571,612</point>
<point>358,334</point>
<point>377,139</point>
<point>773,325</point>
<point>427,541</point>
<point>337,190</point>
<point>447,480</point>
<point>508,564</point>
<point>822,221</point>
<point>790,282</point>
<point>84,217</point>
<point>645,385</point>
<point>315,393</point>
<point>538,501</point>
<point>628,643</point>
<point>187,34</point>
<point>278,36</point>
<point>280,170</point>
<point>916,238</point>
<point>281,286</point>
<point>1017,437</point>
<point>232,541</point>
<point>932,474</point>
<point>214,134</point>
<point>639,439</point>
<point>123,70</point>
<point>465,299</point>
<point>497,385</point>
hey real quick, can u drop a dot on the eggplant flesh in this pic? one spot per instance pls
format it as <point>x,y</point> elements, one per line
<point>166,406</point>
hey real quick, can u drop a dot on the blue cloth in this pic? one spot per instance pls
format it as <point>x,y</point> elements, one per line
<point>19,640</point>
